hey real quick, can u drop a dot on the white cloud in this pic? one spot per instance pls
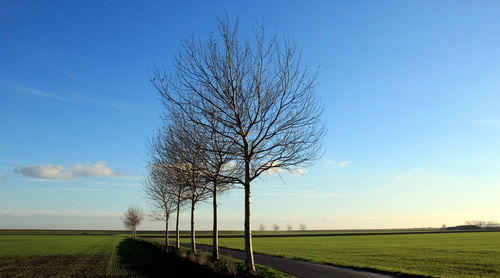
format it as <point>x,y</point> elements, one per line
<point>338,164</point>
<point>274,171</point>
<point>299,171</point>
<point>50,171</point>
<point>307,194</point>
<point>344,163</point>
<point>99,169</point>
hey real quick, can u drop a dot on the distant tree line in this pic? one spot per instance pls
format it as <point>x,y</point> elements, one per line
<point>289,227</point>
<point>483,224</point>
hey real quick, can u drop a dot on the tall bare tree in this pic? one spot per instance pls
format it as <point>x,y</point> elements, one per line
<point>132,218</point>
<point>261,98</point>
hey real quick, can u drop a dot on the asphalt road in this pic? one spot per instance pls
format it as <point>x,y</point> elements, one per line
<point>296,267</point>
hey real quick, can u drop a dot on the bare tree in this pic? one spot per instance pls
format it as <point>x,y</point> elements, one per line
<point>302,227</point>
<point>158,192</point>
<point>276,227</point>
<point>261,98</point>
<point>289,227</point>
<point>163,160</point>
<point>188,158</point>
<point>262,227</point>
<point>215,165</point>
<point>131,219</point>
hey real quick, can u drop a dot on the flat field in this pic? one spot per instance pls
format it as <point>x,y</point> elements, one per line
<point>474,254</point>
<point>205,233</point>
<point>88,256</point>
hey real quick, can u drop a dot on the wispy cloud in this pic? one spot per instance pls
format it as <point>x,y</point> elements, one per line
<point>89,99</point>
<point>107,103</point>
<point>80,189</point>
<point>58,213</point>
<point>7,161</point>
<point>74,181</point>
<point>341,164</point>
<point>305,194</point>
<point>400,177</point>
<point>35,92</point>
<point>81,170</point>
<point>297,171</point>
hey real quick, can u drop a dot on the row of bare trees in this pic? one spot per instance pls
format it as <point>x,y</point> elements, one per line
<point>289,227</point>
<point>234,109</point>
<point>484,224</point>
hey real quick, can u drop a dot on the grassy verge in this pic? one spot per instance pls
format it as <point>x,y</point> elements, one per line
<point>439,255</point>
<point>228,267</point>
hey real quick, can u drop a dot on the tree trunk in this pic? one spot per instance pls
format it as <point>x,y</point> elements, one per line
<point>193,236</point>
<point>248,225</point>
<point>166,233</point>
<point>177,236</point>
<point>215,236</point>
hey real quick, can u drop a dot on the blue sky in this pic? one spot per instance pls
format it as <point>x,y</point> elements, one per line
<point>411,91</point>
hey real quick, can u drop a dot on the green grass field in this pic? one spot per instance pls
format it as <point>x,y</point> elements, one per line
<point>89,256</point>
<point>70,254</point>
<point>440,255</point>
<point>209,232</point>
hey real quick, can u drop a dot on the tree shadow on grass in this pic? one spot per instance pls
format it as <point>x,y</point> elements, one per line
<point>143,259</point>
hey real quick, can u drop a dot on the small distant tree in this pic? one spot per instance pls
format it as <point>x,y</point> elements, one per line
<point>276,227</point>
<point>302,227</point>
<point>289,227</point>
<point>133,218</point>
<point>443,227</point>
<point>262,227</point>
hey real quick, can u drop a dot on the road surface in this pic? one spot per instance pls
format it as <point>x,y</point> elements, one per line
<point>297,267</point>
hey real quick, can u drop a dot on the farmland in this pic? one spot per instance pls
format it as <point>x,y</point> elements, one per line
<point>88,256</point>
<point>441,255</point>
<point>52,253</point>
